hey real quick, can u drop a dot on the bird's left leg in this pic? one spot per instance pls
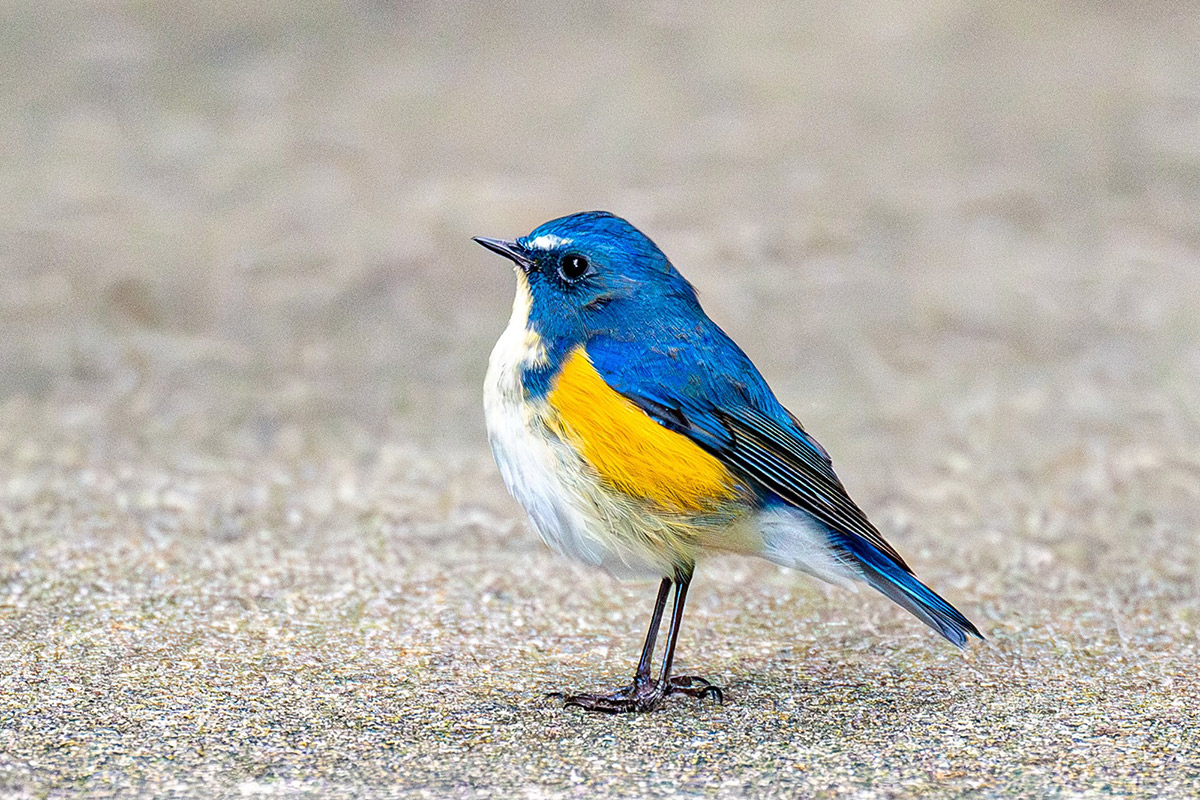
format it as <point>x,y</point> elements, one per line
<point>641,679</point>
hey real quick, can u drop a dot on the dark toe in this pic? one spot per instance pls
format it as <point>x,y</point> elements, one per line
<point>695,686</point>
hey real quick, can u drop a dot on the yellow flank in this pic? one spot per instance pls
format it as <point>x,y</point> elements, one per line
<point>629,449</point>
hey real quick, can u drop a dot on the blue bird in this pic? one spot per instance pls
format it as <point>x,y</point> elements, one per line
<point>637,436</point>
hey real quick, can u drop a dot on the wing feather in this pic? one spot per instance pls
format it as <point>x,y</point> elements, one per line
<point>783,464</point>
<point>705,387</point>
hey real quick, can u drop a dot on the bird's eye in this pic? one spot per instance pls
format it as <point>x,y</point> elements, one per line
<point>573,267</point>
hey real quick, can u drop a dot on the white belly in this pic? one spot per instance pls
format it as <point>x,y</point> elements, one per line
<point>544,474</point>
<point>579,517</point>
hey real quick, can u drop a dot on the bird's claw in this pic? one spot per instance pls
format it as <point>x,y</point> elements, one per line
<point>640,696</point>
<point>695,686</point>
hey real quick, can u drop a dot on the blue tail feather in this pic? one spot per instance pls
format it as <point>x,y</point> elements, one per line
<point>906,591</point>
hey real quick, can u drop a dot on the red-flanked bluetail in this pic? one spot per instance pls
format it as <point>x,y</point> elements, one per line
<point>637,436</point>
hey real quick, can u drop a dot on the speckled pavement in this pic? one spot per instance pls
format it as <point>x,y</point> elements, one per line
<point>251,540</point>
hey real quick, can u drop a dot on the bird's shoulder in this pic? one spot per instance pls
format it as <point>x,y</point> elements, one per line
<point>687,373</point>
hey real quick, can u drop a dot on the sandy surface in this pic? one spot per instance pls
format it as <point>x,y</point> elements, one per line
<point>251,541</point>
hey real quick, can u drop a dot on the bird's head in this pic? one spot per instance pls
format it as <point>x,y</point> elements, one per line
<point>592,273</point>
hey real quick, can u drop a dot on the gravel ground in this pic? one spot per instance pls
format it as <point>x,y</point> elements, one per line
<point>251,541</point>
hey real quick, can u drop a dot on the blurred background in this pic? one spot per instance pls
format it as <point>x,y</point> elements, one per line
<point>224,223</point>
<point>247,513</point>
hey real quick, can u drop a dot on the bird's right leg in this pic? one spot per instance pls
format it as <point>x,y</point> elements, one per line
<point>641,678</point>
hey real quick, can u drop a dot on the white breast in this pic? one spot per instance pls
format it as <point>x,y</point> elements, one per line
<point>542,473</point>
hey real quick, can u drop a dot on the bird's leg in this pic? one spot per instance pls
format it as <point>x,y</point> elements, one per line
<point>691,685</point>
<point>642,676</point>
<point>641,679</point>
<point>646,694</point>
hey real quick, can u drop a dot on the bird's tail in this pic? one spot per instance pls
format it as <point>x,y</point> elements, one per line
<point>906,591</point>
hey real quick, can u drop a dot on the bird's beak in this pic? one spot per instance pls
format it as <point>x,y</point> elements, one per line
<point>511,250</point>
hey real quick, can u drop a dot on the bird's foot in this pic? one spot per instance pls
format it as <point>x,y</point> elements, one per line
<point>642,695</point>
<point>695,686</point>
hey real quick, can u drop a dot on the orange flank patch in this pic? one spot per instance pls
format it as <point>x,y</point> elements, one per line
<point>629,449</point>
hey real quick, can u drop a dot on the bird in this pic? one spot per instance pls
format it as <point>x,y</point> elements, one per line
<point>638,436</point>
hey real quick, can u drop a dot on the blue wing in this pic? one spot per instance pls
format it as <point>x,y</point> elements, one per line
<point>698,382</point>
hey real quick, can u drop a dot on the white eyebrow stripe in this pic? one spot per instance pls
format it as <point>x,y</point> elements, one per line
<point>548,241</point>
